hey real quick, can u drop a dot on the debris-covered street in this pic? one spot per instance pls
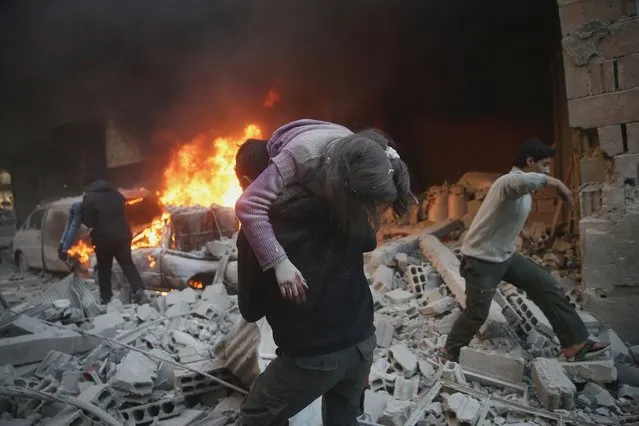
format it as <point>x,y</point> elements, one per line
<point>188,357</point>
<point>319,213</point>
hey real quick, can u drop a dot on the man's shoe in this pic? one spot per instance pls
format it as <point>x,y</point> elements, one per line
<point>105,300</point>
<point>141,298</point>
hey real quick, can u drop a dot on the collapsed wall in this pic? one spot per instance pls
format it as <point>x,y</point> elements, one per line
<point>601,59</point>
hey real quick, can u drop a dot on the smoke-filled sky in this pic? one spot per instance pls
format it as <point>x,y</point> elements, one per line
<point>189,66</point>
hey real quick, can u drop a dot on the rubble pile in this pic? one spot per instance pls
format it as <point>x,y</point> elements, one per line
<point>138,365</point>
<point>512,372</point>
<point>187,358</point>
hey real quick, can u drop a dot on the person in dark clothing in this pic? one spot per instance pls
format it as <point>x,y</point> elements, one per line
<point>325,345</point>
<point>103,212</point>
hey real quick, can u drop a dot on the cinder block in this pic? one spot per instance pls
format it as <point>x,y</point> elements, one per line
<point>554,389</point>
<point>604,110</point>
<point>632,131</point>
<point>384,331</point>
<point>610,139</point>
<point>624,41</point>
<point>102,396</point>
<point>501,366</point>
<point>628,69</point>
<point>627,165</point>
<point>575,14</point>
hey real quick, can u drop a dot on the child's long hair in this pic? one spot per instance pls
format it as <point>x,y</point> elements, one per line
<point>361,180</point>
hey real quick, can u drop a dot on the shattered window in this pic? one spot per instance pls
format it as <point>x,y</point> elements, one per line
<point>35,220</point>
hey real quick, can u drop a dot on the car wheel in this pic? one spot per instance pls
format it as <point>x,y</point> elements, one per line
<point>21,263</point>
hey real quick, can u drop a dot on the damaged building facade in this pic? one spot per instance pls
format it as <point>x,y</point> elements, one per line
<point>601,58</point>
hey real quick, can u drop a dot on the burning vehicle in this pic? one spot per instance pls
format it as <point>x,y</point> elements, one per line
<point>190,242</point>
<point>35,244</point>
<point>187,246</point>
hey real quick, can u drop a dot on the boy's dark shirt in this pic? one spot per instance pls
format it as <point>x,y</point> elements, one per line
<point>338,312</point>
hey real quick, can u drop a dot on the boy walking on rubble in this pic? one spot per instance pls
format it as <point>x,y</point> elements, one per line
<point>489,257</point>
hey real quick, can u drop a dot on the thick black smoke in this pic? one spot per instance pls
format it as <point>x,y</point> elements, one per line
<point>189,66</point>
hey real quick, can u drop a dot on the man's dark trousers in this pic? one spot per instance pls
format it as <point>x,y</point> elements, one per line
<point>121,251</point>
<point>482,279</point>
<point>291,383</point>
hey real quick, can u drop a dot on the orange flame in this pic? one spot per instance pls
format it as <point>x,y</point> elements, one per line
<point>81,251</point>
<point>202,173</point>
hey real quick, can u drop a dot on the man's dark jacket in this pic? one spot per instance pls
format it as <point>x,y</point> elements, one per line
<point>338,312</point>
<point>103,211</point>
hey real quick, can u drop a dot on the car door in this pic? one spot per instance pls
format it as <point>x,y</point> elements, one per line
<point>29,239</point>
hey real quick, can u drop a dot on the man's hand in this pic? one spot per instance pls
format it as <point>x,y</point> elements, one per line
<point>62,255</point>
<point>292,283</point>
<point>562,190</point>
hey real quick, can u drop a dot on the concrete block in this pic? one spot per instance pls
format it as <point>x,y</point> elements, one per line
<point>187,381</point>
<point>31,348</point>
<point>439,307</point>
<point>157,410</point>
<point>447,265</point>
<point>620,351</point>
<point>632,130</point>
<point>403,359</point>
<point>102,396</point>
<point>575,14</point>
<point>603,371</point>
<point>383,278</point>
<point>610,141</point>
<point>623,42</point>
<point>135,375</point>
<point>384,331</point>
<point>402,261</point>
<point>553,388</point>
<point>146,312</point>
<point>627,165</point>
<point>187,417</point>
<point>598,396</point>
<point>501,366</point>
<point>593,169</point>
<point>466,408</point>
<point>396,413</point>
<point>629,392</point>
<point>397,297</point>
<point>187,295</point>
<point>375,404</point>
<point>453,373</point>
<point>55,361</point>
<point>406,389</point>
<point>206,310</point>
<point>635,353</point>
<point>605,109</point>
<point>213,291</point>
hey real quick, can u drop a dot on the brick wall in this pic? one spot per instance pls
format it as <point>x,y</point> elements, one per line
<point>600,41</point>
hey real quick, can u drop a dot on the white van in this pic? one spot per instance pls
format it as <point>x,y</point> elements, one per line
<point>35,245</point>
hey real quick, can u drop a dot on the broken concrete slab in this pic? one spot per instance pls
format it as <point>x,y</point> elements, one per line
<point>406,389</point>
<point>146,312</point>
<point>30,348</point>
<point>466,408</point>
<point>375,404</point>
<point>598,396</point>
<point>135,375</point>
<point>398,296</point>
<point>620,351</point>
<point>501,366</point>
<point>553,388</point>
<point>55,361</point>
<point>602,371</point>
<point>382,279</point>
<point>403,358</point>
<point>447,265</point>
<point>396,413</point>
<point>438,307</point>
<point>188,295</point>
<point>384,331</point>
